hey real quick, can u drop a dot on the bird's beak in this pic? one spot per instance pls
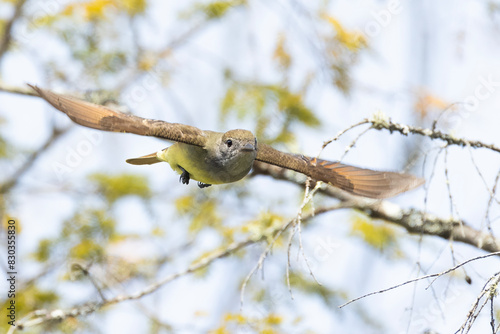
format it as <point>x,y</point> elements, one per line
<point>248,147</point>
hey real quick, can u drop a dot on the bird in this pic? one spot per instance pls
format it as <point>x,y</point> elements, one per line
<point>211,157</point>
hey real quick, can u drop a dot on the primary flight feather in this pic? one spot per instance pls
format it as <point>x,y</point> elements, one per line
<point>214,158</point>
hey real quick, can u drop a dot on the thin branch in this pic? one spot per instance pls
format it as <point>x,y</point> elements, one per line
<point>379,121</point>
<point>308,195</point>
<point>39,317</point>
<point>13,180</point>
<point>421,278</point>
<point>348,201</point>
<point>353,143</point>
<point>490,202</point>
<point>492,316</point>
<point>331,140</point>
<point>413,220</point>
<point>453,207</point>
<point>7,34</point>
<point>43,316</point>
<point>489,289</point>
<point>4,87</point>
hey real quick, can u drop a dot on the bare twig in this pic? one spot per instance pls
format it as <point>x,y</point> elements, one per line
<point>351,145</point>
<point>453,207</point>
<point>421,278</point>
<point>431,176</point>
<point>414,221</point>
<point>307,198</point>
<point>7,33</point>
<point>43,316</point>
<point>331,140</point>
<point>488,290</point>
<point>490,202</point>
<point>380,121</point>
<point>16,89</point>
<point>14,179</point>
<point>308,195</point>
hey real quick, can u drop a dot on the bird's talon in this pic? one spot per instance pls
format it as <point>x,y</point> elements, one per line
<point>184,178</point>
<point>203,185</point>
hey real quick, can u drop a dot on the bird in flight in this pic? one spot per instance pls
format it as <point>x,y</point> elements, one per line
<point>215,158</point>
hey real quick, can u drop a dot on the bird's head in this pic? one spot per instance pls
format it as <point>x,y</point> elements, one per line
<point>238,143</point>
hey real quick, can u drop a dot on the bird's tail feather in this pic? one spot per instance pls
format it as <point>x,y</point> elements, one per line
<point>144,160</point>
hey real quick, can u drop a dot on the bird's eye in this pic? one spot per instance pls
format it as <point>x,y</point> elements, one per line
<point>229,143</point>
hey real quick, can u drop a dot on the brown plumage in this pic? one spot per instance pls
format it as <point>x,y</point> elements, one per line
<point>358,181</point>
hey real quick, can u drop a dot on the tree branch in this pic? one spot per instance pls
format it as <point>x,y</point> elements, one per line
<point>414,221</point>
<point>380,121</point>
<point>435,276</point>
<point>43,316</point>
<point>30,160</point>
<point>7,35</point>
<point>39,317</point>
<point>16,90</point>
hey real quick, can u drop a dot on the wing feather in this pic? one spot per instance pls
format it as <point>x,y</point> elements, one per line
<point>102,118</point>
<point>355,180</point>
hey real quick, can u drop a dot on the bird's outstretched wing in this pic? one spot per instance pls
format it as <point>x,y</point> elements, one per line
<point>358,181</point>
<point>98,117</point>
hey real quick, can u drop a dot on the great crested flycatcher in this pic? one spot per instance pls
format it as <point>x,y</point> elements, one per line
<point>215,158</point>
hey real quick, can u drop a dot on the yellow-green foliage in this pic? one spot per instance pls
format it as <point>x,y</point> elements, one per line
<point>281,54</point>
<point>83,236</point>
<point>90,232</point>
<point>3,148</point>
<point>43,251</point>
<point>2,26</point>
<point>308,285</point>
<point>100,9</point>
<point>275,107</point>
<point>217,9</point>
<point>92,223</point>
<point>201,209</point>
<point>263,226</point>
<point>113,187</point>
<point>3,142</point>
<point>342,48</point>
<point>268,324</point>
<point>352,40</point>
<point>27,300</point>
<point>134,7</point>
<point>375,233</point>
<point>93,39</point>
<point>87,250</point>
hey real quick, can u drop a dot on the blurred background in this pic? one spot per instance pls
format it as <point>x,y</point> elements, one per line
<point>296,73</point>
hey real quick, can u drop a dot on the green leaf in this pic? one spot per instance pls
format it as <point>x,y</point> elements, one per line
<point>114,187</point>
<point>275,108</point>
<point>134,7</point>
<point>376,234</point>
<point>218,9</point>
<point>43,251</point>
<point>90,224</point>
<point>87,250</point>
<point>202,210</point>
<point>310,286</point>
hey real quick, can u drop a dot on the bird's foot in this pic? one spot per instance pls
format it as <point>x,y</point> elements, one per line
<point>203,185</point>
<point>184,178</point>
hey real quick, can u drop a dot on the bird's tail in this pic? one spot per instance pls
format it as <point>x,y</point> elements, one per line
<point>144,160</point>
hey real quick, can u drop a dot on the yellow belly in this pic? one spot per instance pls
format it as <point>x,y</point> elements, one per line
<point>194,160</point>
